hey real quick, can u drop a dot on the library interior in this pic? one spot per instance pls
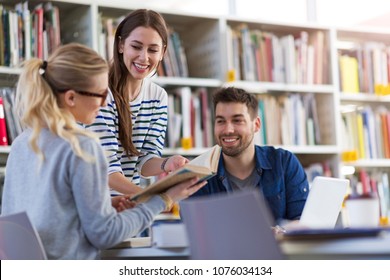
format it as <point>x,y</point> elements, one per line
<point>320,72</point>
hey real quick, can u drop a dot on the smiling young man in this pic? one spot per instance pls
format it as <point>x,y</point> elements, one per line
<point>276,172</point>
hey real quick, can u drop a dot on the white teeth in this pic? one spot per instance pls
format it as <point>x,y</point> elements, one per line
<point>229,140</point>
<point>143,67</point>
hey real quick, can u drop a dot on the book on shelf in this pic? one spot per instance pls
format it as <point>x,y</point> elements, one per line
<point>203,166</point>
<point>349,74</point>
<point>175,59</point>
<point>247,55</point>
<point>296,115</point>
<point>196,121</point>
<point>365,130</point>
<point>360,136</point>
<point>386,132</point>
<point>174,122</point>
<point>207,129</point>
<point>3,127</point>
<point>52,27</point>
<point>317,40</point>
<point>2,38</point>
<point>234,61</point>
<point>6,54</point>
<point>13,126</point>
<point>185,95</point>
<point>38,25</point>
<point>288,46</point>
<point>27,28</point>
<point>179,53</point>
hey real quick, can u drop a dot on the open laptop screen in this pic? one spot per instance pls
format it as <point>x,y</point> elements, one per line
<point>324,202</point>
<point>230,226</point>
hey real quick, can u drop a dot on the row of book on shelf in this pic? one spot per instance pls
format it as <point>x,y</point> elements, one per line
<point>258,55</point>
<point>174,63</point>
<point>288,119</point>
<point>25,34</point>
<point>195,121</point>
<point>9,122</point>
<point>190,123</point>
<point>367,132</point>
<point>365,68</point>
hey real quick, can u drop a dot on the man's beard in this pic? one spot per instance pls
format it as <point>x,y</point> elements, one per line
<point>236,151</point>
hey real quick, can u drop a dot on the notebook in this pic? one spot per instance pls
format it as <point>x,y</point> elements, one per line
<point>232,226</point>
<point>324,202</point>
<point>336,233</point>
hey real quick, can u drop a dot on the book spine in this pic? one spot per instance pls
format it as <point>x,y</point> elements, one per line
<point>3,128</point>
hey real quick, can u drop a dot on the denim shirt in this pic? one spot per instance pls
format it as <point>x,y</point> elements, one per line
<point>282,180</point>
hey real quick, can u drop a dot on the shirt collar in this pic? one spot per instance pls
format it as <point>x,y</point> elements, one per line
<point>261,159</point>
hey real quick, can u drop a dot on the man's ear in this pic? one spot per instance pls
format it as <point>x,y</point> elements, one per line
<point>257,123</point>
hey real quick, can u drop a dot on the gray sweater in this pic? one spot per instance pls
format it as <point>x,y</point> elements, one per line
<point>68,199</point>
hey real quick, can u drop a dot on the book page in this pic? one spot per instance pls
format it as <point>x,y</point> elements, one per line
<point>209,159</point>
<point>180,175</point>
<point>199,167</point>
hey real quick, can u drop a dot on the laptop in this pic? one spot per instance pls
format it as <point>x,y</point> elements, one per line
<point>19,240</point>
<point>235,226</point>
<point>324,203</point>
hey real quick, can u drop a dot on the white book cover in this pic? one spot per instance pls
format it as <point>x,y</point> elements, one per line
<point>27,30</point>
<point>185,96</point>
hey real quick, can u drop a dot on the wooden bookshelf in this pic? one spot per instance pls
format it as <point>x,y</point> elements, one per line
<point>209,56</point>
<point>368,47</point>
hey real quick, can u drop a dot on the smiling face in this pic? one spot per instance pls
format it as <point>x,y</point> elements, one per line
<point>142,51</point>
<point>234,128</point>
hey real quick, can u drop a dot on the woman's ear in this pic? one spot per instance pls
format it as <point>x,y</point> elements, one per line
<point>163,52</point>
<point>120,45</point>
<point>69,98</point>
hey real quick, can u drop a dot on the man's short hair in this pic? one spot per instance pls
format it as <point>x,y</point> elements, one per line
<point>237,95</point>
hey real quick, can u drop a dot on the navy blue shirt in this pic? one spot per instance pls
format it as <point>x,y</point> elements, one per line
<point>282,180</point>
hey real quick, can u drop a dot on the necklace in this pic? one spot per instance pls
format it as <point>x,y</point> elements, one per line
<point>138,90</point>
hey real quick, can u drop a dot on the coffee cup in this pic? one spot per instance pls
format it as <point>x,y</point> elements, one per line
<point>362,211</point>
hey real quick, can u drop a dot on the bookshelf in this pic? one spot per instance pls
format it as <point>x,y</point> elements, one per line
<point>212,62</point>
<point>369,50</point>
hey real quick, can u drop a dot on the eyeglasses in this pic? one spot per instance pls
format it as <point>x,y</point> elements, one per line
<point>87,93</point>
<point>103,96</point>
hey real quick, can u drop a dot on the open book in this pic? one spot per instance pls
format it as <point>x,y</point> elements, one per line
<point>203,166</point>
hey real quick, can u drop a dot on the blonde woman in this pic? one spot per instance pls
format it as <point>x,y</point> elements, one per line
<point>57,171</point>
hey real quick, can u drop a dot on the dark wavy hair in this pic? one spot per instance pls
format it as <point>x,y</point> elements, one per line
<point>236,95</point>
<point>118,72</point>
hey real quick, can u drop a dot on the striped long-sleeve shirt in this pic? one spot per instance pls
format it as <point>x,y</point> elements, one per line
<point>149,119</point>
